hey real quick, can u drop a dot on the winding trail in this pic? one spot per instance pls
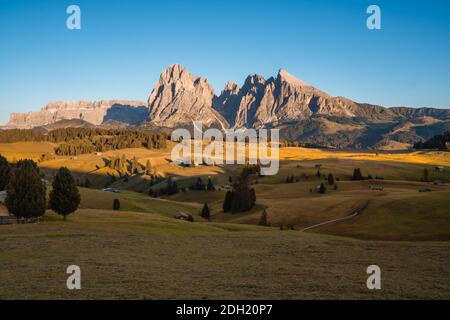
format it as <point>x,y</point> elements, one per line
<point>353,215</point>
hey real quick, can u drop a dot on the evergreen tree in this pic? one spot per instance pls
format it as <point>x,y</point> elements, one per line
<point>227,202</point>
<point>330,179</point>
<point>425,175</point>
<point>87,183</point>
<point>322,188</point>
<point>5,172</point>
<point>263,219</point>
<point>357,175</point>
<point>26,195</point>
<point>252,197</point>
<point>116,204</point>
<point>210,185</point>
<point>64,197</point>
<point>172,186</point>
<point>205,212</point>
<point>199,184</point>
<point>148,168</point>
<point>242,199</point>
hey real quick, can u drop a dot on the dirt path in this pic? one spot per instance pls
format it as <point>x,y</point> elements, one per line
<point>353,215</point>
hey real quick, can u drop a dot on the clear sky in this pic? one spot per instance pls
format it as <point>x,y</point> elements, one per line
<point>123,46</point>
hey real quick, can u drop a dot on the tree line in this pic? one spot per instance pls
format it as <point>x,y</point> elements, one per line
<point>26,194</point>
<point>437,142</point>
<point>75,141</point>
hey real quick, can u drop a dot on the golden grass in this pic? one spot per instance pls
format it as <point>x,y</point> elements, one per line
<point>438,158</point>
<point>25,150</point>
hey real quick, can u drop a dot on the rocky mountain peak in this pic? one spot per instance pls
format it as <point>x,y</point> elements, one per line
<point>253,80</point>
<point>179,98</point>
<point>284,76</point>
<point>175,73</point>
<point>231,87</point>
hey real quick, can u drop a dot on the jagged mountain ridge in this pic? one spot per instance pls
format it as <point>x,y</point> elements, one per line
<point>94,112</point>
<point>301,111</point>
<point>179,98</point>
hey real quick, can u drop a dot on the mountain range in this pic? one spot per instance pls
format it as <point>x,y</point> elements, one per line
<point>302,112</point>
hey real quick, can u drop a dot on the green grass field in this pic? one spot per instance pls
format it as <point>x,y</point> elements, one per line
<point>128,255</point>
<point>143,252</point>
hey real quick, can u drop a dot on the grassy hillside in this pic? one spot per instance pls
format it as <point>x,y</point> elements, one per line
<point>128,255</point>
<point>414,216</point>
<point>141,251</point>
<point>132,201</point>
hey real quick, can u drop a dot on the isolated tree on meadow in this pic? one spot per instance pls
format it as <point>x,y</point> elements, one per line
<point>148,168</point>
<point>322,188</point>
<point>227,201</point>
<point>330,179</point>
<point>357,175</point>
<point>425,175</point>
<point>26,195</point>
<point>64,197</point>
<point>5,172</point>
<point>116,204</point>
<point>206,214</point>
<point>318,173</point>
<point>263,219</point>
<point>210,185</point>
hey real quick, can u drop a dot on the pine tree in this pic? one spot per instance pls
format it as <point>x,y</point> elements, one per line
<point>252,197</point>
<point>148,168</point>
<point>5,172</point>
<point>263,219</point>
<point>210,185</point>
<point>322,188</point>
<point>357,175</point>
<point>205,212</point>
<point>227,202</point>
<point>242,199</point>
<point>116,204</point>
<point>330,179</point>
<point>425,175</point>
<point>199,184</point>
<point>26,195</point>
<point>172,186</point>
<point>64,197</point>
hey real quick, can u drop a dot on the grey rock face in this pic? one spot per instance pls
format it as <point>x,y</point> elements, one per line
<point>285,99</point>
<point>179,98</point>
<point>95,112</point>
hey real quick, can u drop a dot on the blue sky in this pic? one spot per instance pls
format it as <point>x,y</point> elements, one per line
<point>123,46</point>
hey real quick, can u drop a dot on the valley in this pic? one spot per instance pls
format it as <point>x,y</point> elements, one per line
<point>152,255</point>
